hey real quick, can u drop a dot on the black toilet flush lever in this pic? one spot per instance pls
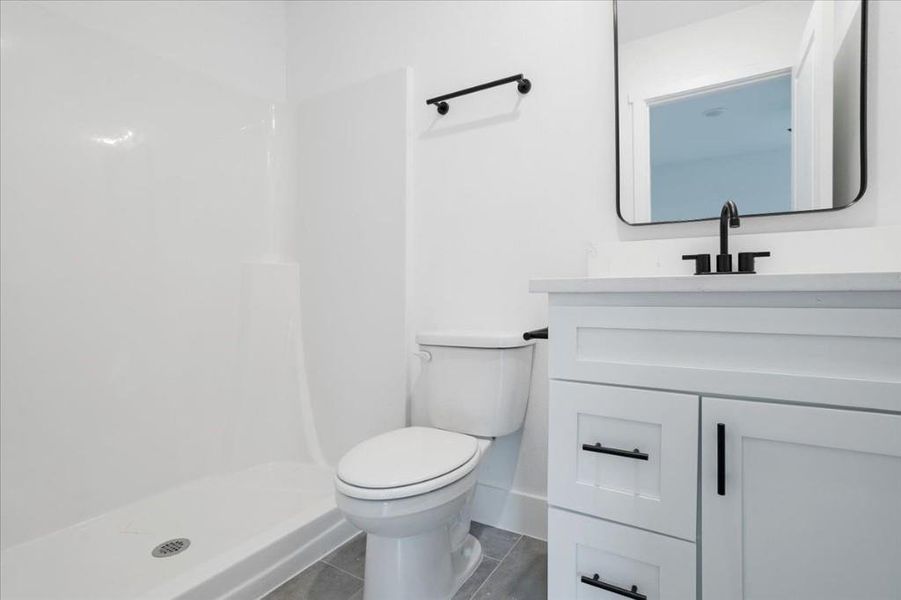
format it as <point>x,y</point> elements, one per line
<point>702,262</point>
<point>746,261</point>
<point>536,334</point>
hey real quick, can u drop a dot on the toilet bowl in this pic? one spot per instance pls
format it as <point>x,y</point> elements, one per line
<point>411,489</point>
<point>418,543</point>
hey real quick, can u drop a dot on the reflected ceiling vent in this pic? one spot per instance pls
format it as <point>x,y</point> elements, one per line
<point>171,547</point>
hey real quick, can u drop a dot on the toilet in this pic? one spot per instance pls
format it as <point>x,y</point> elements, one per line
<point>411,489</point>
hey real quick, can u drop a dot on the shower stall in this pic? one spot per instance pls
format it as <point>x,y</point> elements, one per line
<point>186,270</point>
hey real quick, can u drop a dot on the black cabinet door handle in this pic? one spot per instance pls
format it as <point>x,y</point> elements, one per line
<point>721,459</point>
<point>597,447</point>
<point>597,582</point>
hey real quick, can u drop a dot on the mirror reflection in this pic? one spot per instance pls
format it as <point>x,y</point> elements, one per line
<point>757,102</point>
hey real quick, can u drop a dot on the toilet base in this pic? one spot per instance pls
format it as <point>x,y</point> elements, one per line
<point>466,561</point>
<point>421,567</point>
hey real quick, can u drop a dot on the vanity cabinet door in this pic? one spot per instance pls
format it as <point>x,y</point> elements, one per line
<point>625,454</point>
<point>799,503</point>
<point>592,559</point>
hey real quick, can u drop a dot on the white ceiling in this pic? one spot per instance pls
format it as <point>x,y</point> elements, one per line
<point>641,18</point>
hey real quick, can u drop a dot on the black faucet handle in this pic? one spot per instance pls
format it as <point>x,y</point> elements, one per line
<point>702,262</point>
<point>746,261</point>
<point>724,263</point>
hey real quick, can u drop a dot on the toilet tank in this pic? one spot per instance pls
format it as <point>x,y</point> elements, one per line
<point>475,382</point>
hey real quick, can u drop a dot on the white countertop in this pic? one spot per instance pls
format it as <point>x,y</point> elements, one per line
<point>783,282</point>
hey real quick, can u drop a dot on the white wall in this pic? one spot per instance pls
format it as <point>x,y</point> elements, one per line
<point>351,246</point>
<point>134,185</point>
<point>507,188</point>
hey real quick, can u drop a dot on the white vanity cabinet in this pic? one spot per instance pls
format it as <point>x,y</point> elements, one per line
<point>592,558</point>
<point>809,502</point>
<point>627,453</point>
<point>735,437</point>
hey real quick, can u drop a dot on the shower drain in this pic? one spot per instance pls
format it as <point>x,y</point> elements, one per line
<point>171,547</point>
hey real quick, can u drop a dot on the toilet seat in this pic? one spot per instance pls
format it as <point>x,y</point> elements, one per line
<point>406,462</point>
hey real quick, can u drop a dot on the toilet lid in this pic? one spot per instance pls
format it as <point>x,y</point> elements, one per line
<point>406,457</point>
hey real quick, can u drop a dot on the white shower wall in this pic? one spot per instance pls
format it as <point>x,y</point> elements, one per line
<point>240,43</point>
<point>143,344</point>
<point>351,169</point>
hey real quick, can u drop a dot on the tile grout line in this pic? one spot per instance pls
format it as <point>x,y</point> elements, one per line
<point>481,585</point>
<point>514,545</point>
<point>496,567</point>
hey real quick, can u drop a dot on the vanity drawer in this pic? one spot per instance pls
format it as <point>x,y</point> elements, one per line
<point>644,472</point>
<point>660,567</point>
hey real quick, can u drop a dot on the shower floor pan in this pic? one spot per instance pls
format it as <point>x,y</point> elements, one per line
<point>247,532</point>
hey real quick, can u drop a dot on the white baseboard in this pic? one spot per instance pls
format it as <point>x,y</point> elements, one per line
<point>511,510</point>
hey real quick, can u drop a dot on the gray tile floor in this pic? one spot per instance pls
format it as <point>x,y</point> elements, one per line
<point>514,567</point>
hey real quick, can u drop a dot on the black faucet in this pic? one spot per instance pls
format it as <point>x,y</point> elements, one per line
<point>728,218</point>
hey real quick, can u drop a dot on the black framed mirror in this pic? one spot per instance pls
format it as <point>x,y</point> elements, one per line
<point>759,102</point>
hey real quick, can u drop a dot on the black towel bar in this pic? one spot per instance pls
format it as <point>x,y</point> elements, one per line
<point>440,102</point>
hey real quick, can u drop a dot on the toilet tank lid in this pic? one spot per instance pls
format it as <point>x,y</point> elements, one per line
<point>472,339</point>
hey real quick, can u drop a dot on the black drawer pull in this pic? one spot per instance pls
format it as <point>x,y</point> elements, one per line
<point>597,582</point>
<point>636,454</point>
<point>721,459</point>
